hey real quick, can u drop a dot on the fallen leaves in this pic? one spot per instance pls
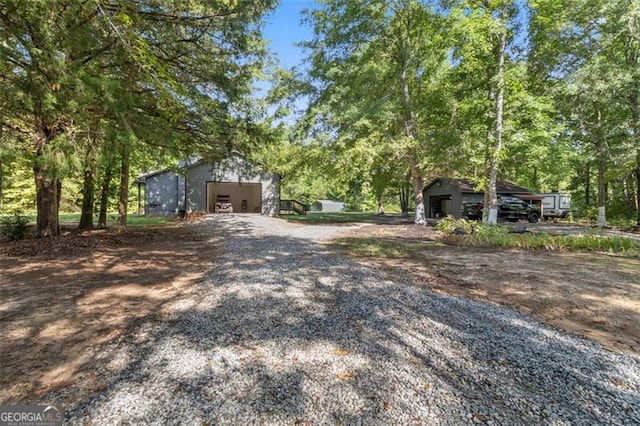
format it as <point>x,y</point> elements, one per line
<point>340,352</point>
<point>347,376</point>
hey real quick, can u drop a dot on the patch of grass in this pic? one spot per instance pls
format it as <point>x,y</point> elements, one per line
<point>586,242</point>
<point>326,218</point>
<point>135,220</point>
<point>71,219</point>
<point>112,218</point>
<point>379,247</point>
<point>479,235</point>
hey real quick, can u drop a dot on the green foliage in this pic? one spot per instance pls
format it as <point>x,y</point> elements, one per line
<point>19,193</point>
<point>381,104</point>
<point>499,236</point>
<point>449,223</point>
<point>14,227</point>
<point>175,76</point>
<point>481,235</point>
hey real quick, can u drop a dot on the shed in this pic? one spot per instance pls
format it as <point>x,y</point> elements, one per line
<point>445,196</point>
<point>195,185</point>
<point>329,206</point>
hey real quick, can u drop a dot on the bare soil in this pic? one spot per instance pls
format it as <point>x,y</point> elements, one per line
<point>62,298</point>
<point>595,295</point>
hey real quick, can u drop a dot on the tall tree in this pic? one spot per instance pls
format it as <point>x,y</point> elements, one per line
<point>375,64</point>
<point>172,70</point>
<point>485,33</point>
<point>588,50</point>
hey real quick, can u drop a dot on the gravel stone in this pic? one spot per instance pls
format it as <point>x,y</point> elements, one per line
<point>283,331</point>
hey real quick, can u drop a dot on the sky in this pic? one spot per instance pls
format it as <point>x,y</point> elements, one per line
<point>283,29</point>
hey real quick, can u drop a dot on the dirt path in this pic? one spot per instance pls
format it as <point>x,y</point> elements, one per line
<point>62,299</point>
<point>62,302</point>
<point>283,330</point>
<point>594,295</point>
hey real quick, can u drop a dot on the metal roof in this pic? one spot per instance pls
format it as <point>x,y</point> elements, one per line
<point>467,186</point>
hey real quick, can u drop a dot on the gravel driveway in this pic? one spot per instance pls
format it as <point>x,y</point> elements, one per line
<point>285,332</point>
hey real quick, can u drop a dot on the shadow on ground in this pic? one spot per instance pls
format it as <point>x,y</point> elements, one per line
<point>282,330</point>
<point>59,306</point>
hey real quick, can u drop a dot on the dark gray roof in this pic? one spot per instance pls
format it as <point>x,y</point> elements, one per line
<point>466,186</point>
<point>143,177</point>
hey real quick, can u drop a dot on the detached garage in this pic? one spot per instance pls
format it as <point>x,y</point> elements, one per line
<point>445,196</point>
<point>244,197</point>
<point>196,185</point>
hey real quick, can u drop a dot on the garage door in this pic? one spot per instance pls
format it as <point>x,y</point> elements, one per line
<point>245,197</point>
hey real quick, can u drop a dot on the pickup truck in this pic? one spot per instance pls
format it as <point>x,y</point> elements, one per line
<point>509,208</point>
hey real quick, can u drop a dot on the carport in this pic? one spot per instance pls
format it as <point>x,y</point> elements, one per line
<point>245,197</point>
<point>446,196</point>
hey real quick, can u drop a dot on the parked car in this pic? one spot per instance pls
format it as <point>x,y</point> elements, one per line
<point>509,208</point>
<point>223,204</point>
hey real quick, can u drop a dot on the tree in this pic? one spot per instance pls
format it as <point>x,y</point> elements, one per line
<point>589,51</point>
<point>374,64</point>
<point>168,72</point>
<point>485,31</point>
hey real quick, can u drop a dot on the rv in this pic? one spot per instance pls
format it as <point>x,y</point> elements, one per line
<point>556,204</point>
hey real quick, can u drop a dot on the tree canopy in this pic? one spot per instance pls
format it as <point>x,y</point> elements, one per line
<point>543,93</point>
<point>77,75</point>
<point>540,92</point>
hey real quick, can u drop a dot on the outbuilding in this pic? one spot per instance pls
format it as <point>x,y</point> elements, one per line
<point>329,206</point>
<point>445,196</point>
<point>195,186</point>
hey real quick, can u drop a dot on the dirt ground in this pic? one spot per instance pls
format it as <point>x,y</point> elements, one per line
<point>595,295</point>
<point>62,299</point>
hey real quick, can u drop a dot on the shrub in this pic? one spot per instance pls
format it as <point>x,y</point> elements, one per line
<point>14,227</point>
<point>449,223</point>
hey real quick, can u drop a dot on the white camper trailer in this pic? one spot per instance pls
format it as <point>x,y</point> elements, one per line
<point>556,204</point>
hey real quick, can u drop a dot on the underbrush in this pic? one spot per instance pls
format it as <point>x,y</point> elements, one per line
<point>14,227</point>
<point>476,234</point>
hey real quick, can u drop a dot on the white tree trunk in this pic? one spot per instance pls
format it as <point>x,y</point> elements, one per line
<point>602,217</point>
<point>490,216</point>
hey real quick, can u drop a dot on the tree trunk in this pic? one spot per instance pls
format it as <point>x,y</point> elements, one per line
<point>380,204</point>
<point>123,195</point>
<point>491,196</point>
<point>104,196</point>
<point>587,184</point>
<point>410,132</point>
<point>1,184</point>
<point>602,193</point>
<point>635,126</point>
<point>1,174</point>
<point>47,188</point>
<point>404,199</point>
<point>88,186</point>
<point>602,189</point>
<point>638,187</point>
<point>418,186</point>
<point>47,201</point>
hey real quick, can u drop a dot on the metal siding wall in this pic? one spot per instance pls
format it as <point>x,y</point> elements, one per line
<point>161,196</point>
<point>197,178</point>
